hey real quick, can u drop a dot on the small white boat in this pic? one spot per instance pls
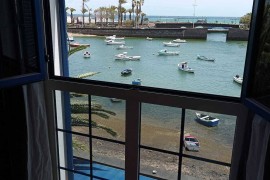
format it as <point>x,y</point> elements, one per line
<point>164,52</point>
<point>137,82</point>
<point>116,100</point>
<point>179,41</point>
<point>238,79</point>
<point>200,57</point>
<point>171,44</point>
<point>184,67</point>
<point>124,56</point>
<point>149,39</point>
<point>112,42</point>
<point>113,37</point>
<point>124,47</point>
<point>70,38</point>
<point>86,54</point>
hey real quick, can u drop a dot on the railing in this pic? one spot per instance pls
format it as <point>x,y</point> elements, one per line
<point>132,144</point>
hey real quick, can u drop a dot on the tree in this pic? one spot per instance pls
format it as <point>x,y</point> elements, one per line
<point>129,11</point>
<point>123,11</point>
<point>89,13</point>
<point>112,12</point>
<point>71,14</point>
<point>245,20</point>
<point>83,9</point>
<point>142,14</point>
<point>120,2</point>
<point>95,12</point>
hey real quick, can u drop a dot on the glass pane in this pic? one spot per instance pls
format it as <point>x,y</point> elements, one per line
<point>79,108</point>
<point>18,43</point>
<point>203,170</point>
<point>160,126</point>
<point>210,42</point>
<point>108,117</point>
<point>209,135</point>
<point>157,164</point>
<point>108,159</point>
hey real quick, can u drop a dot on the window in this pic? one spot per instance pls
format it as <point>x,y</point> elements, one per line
<point>21,48</point>
<point>149,111</point>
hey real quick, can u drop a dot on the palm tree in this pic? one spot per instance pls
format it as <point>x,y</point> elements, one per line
<point>142,14</point>
<point>119,11</point>
<point>83,8</point>
<point>129,11</point>
<point>95,12</point>
<point>71,14</point>
<point>112,11</point>
<point>102,14</point>
<point>107,15</point>
<point>123,11</point>
<point>89,13</point>
<point>133,10</point>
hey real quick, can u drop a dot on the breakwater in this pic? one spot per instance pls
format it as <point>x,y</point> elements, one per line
<point>190,25</point>
<point>149,32</point>
<point>188,33</point>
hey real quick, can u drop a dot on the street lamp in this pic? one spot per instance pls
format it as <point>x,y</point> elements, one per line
<point>194,6</point>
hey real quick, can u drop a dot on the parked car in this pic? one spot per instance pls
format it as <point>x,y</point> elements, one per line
<point>191,143</point>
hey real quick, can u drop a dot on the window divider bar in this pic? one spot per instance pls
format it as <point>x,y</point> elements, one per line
<point>183,117</point>
<point>90,137</point>
<point>132,150</point>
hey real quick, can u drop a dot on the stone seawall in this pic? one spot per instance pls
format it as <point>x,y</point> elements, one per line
<point>190,25</point>
<point>237,34</point>
<point>155,33</point>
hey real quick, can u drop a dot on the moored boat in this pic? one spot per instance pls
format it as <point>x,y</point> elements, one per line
<point>124,56</point>
<point>149,39</point>
<point>137,82</point>
<point>127,71</point>
<point>171,44</point>
<point>206,120</point>
<point>164,52</point>
<point>113,37</point>
<point>179,41</point>
<point>75,44</point>
<point>238,79</point>
<point>184,67</point>
<point>113,42</point>
<point>86,54</point>
<point>122,46</point>
<point>116,100</point>
<point>200,57</point>
<point>70,38</point>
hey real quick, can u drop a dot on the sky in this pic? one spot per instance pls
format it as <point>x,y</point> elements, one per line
<point>226,8</point>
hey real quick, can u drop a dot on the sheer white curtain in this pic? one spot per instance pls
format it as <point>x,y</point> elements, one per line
<point>39,155</point>
<point>258,149</point>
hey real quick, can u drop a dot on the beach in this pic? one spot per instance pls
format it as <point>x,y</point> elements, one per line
<point>163,138</point>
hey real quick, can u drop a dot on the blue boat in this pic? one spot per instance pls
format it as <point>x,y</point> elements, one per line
<point>137,82</point>
<point>206,120</point>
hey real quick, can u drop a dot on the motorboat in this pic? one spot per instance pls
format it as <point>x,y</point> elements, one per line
<point>86,54</point>
<point>113,42</point>
<point>124,47</point>
<point>116,100</point>
<point>179,41</point>
<point>238,79</point>
<point>126,72</point>
<point>206,120</point>
<point>149,39</point>
<point>191,143</point>
<point>124,56</point>
<point>171,44</point>
<point>164,52</point>
<point>70,38</point>
<point>113,37</point>
<point>137,82</point>
<point>200,57</point>
<point>75,44</point>
<point>184,67</point>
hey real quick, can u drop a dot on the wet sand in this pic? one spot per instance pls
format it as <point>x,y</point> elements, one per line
<point>163,138</point>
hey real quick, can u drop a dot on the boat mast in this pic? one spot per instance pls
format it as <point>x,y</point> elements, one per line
<point>194,8</point>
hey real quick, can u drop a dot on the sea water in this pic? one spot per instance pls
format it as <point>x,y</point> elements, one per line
<point>162,71</point>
